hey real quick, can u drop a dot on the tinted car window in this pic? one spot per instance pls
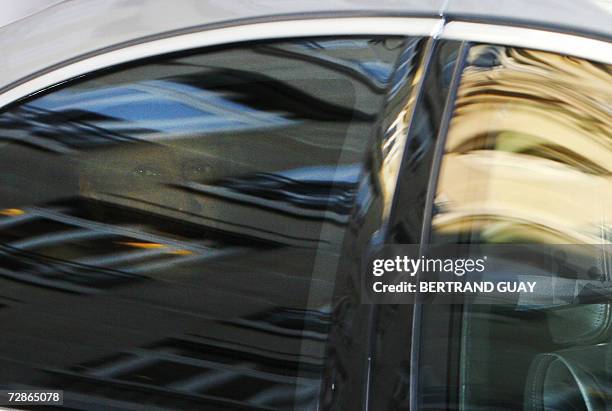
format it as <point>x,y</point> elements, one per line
<point>527,160</point>
<point>170,230</point>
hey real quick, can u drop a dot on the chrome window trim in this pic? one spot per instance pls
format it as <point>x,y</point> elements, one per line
<point>226,35</point>
<point>568,44</point>
<point>561,43</point>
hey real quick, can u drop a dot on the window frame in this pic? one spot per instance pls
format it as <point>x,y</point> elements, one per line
<point>276,30</point>
<point>292,27</point>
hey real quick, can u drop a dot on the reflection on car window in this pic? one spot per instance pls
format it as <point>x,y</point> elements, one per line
<point>528,160</point>
<point>170,231</point>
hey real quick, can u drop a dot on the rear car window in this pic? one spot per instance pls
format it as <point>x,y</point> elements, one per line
<point>527,161</point>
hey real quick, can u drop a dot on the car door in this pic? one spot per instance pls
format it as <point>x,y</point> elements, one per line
<point>172,225</point>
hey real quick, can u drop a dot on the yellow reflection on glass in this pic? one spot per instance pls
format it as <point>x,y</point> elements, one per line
<point>12,212</point>
<point>529,151</point>
<point>148,246</point>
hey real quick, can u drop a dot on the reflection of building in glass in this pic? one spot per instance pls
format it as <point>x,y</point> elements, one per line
<point>529,154</point>
<point>145,111</point>
<point>198,370</point>
<point>527,160</point>
<point>174,228</point>
<point>57,247</point>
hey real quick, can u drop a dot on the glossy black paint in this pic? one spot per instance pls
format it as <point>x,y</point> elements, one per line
<point>369,360</point>
<point>397,363</point>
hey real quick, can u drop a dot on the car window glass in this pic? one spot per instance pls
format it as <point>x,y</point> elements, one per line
<point>527,161</point>
<point>170,229</point>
